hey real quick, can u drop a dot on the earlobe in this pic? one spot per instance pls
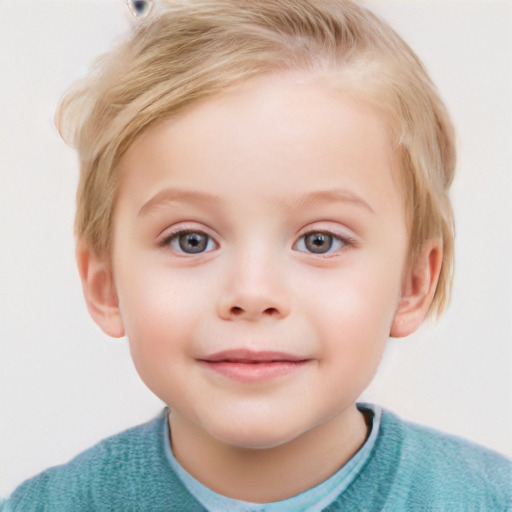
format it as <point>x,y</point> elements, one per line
<point>99,291</point>
<point>418,289</point>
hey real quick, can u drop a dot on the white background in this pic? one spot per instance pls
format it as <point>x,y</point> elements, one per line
<point>64,385</point>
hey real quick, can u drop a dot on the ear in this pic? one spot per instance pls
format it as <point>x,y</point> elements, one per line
<point>418,289</point>
<point>99,291</point>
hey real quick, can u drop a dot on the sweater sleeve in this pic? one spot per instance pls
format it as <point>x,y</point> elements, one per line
<point>443,472</point>
<point>127,472</point>
<point>417,469</point>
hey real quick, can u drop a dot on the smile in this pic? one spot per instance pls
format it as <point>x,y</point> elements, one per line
<point>248,366</point>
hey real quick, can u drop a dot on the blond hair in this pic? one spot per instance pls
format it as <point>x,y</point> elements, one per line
<point>191,49</point>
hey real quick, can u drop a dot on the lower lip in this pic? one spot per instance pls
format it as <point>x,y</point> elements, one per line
<point>255,372</point>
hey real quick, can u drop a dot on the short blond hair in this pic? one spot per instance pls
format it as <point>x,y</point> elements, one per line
<point>191,49</point>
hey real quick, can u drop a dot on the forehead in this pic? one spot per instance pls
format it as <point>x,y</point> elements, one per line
<point>274,137</point>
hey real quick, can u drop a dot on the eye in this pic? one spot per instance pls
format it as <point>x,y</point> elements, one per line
<point>190,242</point>
<point>319,242</point>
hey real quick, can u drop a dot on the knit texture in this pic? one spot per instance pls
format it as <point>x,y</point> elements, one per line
<point>411,468</point>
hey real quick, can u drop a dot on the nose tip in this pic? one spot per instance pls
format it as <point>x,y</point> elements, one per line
<point>253,286</point>
<point>249,301</point>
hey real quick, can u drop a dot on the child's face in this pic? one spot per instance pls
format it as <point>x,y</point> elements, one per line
<point>259,251</point>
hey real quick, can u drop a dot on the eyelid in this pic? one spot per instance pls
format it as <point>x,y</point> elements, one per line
<point>183,228</point>
<point>345,236</point>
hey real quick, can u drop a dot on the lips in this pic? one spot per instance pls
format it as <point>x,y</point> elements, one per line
<point>249,356</point>
<point>252,366</point>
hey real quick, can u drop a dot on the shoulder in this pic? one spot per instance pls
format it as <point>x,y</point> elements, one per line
<point>445,469</point>
<point>114,474</point>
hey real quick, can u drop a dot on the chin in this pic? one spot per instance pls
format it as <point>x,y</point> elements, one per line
<point>255,442</point>
<point>255,436</point>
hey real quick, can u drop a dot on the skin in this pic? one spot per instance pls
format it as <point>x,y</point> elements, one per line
<point>257,172</point>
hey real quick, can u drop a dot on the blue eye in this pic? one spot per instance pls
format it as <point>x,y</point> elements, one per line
<point>190,242</point>
<point>318,242</point>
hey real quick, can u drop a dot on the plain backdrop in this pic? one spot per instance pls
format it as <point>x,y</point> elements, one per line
<point>64,385</point>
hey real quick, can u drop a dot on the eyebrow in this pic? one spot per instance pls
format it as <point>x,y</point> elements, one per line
<point>330,196</point>
<point>308,199</point>
<point>171,195</point>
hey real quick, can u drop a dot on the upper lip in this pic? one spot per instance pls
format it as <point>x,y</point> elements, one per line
<point>250,356</point>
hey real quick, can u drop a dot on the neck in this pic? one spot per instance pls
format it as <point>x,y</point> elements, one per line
<point>270,474</point>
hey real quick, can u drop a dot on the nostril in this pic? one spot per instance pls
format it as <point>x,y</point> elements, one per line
<point>237,311</point>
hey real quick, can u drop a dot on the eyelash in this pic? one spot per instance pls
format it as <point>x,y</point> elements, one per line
<point>343,241</point>
<point>175,236</point>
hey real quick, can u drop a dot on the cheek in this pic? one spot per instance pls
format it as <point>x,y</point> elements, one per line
<point>156,325</point>
<point>357,309</point>
<point>160,309</point>
<point>355,331</point>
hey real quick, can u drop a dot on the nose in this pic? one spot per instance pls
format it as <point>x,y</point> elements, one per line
<point>253,290</point>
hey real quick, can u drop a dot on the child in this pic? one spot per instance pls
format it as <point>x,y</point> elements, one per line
<point>264,200</point>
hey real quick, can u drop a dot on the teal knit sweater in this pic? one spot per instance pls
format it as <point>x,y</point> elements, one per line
<point>411,468</point>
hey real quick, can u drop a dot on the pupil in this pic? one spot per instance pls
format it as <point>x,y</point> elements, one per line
<point>140,6</point>
<point>193,242</point>
<point>318,243</point>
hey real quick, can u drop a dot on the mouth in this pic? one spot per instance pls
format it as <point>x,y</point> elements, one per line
<point>252,366</point>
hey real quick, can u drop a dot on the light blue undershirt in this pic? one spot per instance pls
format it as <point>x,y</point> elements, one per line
<point>312,500</point>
